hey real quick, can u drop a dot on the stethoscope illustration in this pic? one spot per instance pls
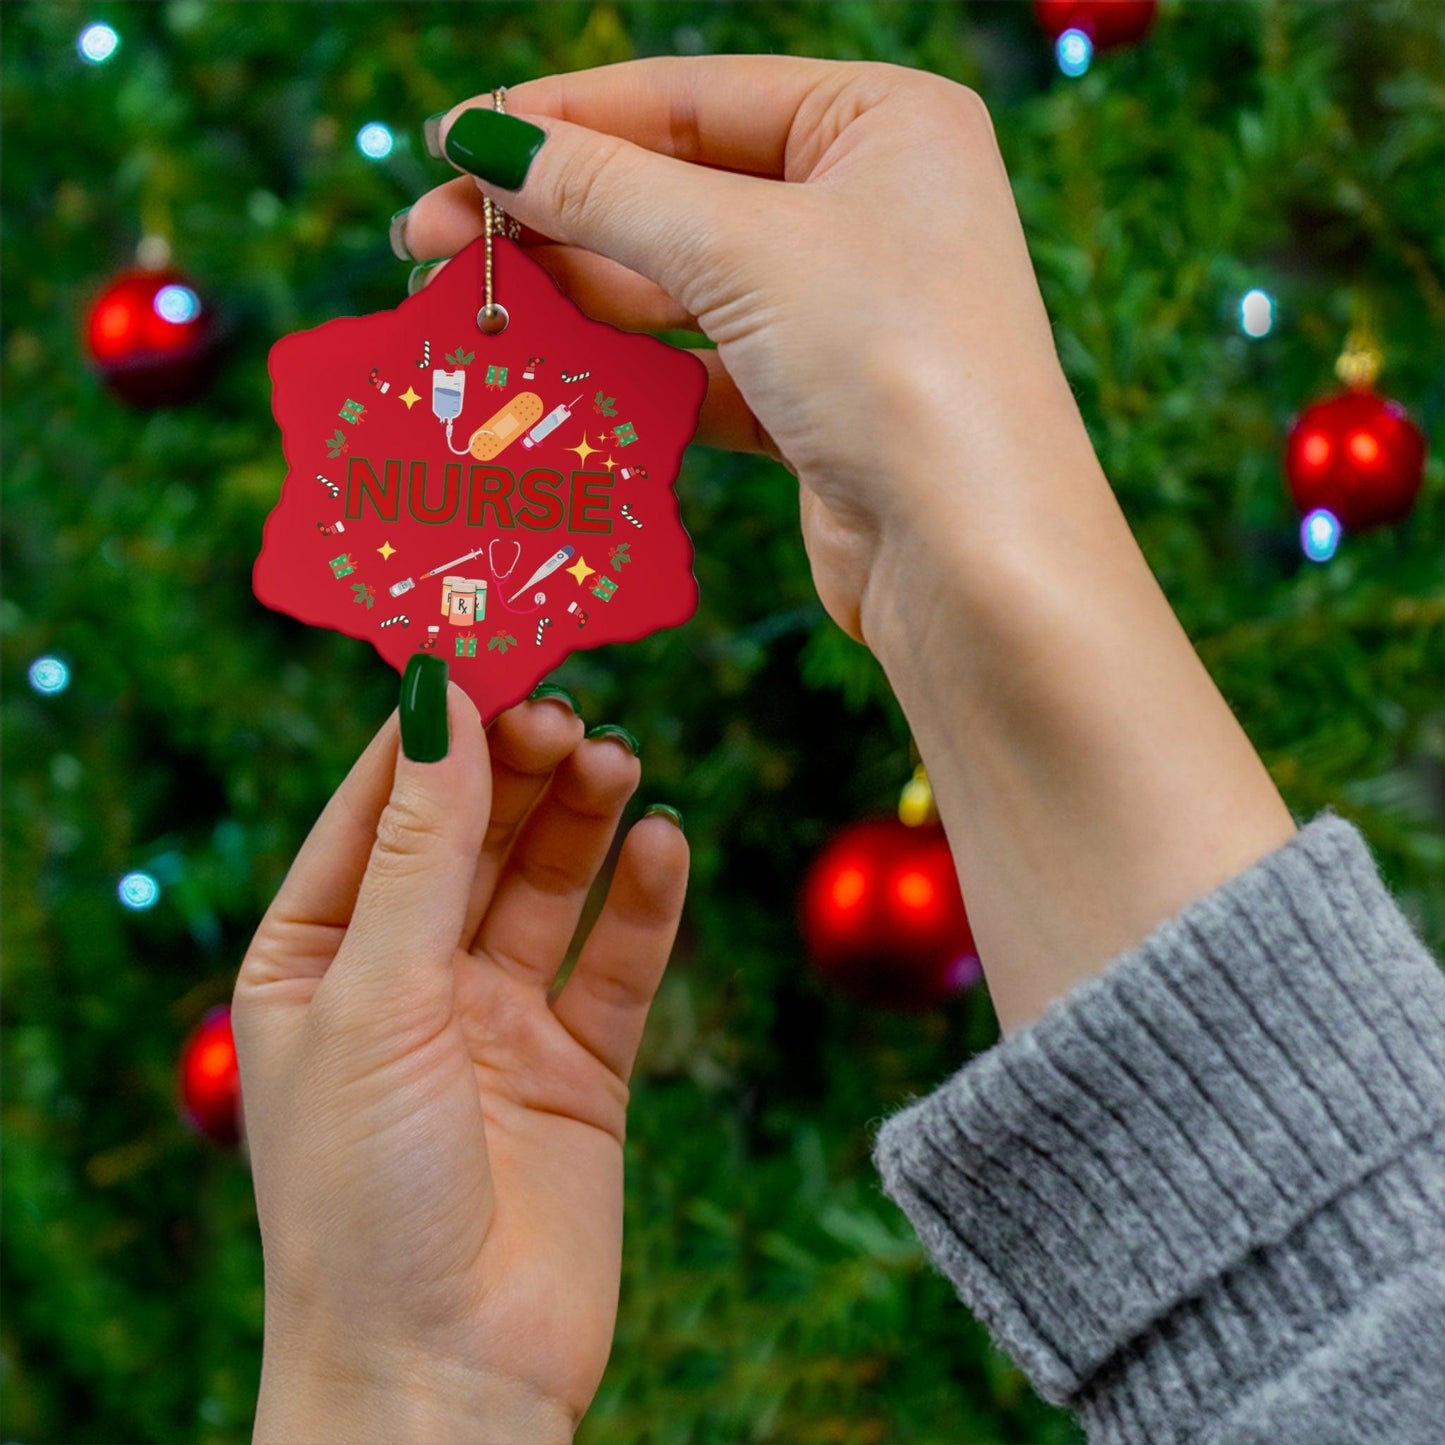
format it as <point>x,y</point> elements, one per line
<point>561,555</point>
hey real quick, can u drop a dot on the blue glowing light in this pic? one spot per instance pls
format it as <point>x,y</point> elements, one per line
<point>49,675</point>
<point>1256,313</point>
<point>97,43</point>
<point>138,891</point>
<point>1073,50</point>
<point>375,141</point>
<point>177,304</point>
<point>1319,535</point>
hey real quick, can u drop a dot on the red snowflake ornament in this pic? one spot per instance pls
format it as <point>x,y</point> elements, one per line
<point>463,483</point>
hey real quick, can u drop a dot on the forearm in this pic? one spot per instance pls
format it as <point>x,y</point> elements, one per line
<point>1091,777</point>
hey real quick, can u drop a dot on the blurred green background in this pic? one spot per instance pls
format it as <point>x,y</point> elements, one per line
<point>771,1293</point>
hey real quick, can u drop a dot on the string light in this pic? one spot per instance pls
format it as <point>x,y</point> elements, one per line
<point>138,891</point>
<point>177,304</point>
<point>1074,51</point>
<point>97,43</point>
<point>1319,535</point>
<point>49,675</point>
<point>1256,313</point>
<point>375,141</point>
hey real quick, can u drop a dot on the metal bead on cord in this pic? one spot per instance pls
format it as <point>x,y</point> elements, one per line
<point>493,317</point>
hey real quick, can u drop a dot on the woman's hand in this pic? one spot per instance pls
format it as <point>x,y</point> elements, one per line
<point>847,235</point>
<point>437,1147</point>
<point>881,301</point>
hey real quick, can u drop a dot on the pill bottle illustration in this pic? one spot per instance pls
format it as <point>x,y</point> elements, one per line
<point>461,602</point>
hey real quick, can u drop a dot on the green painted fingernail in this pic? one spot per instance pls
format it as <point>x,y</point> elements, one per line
<point>424,736</point>
<point>396,233</point>
<point>421,274</point>
<point>498,148</point>
<point>614,730</point>
<point>550,689</point>
<point>665,810</point>
<point>431,134</point>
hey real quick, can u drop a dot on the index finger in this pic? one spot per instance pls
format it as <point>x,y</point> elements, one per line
<point>734,112</point>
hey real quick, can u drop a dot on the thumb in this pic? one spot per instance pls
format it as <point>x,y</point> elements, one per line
<point>664,218</point>
<point>412,901</point>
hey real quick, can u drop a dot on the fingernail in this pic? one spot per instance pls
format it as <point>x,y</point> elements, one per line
<point>422,274</point>
<point>614,730</point>
<point>665,810</point>
<point>424,708</point>
<point>396,233</point>
<point>550,689</point>
<point>431,134</point>
<point>498,148</point>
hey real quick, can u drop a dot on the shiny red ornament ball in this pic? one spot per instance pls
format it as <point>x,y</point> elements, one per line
<point>883,917</point>
<point>1107,23</point>
<point>1358,455</point>
<point>210,1082</point>
<point>152,338</point>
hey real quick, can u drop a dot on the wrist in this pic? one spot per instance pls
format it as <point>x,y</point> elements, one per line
<point>970,536</point>
<point>396,1398</point>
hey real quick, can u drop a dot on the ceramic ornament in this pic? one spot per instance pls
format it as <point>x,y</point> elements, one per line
<point>503,500</point>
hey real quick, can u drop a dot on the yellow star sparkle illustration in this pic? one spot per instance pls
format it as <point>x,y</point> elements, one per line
<point>583,451</point>
<point>386,550</point>
<point>581,571</point>
<point>609,464</point>
<point>410,398</point>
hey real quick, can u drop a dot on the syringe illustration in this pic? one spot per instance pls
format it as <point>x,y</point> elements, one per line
<point>550,423</point>
<point>545,570</point>
<point>406,584</point>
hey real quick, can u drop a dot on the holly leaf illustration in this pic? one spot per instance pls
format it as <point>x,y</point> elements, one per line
<point>335,445</point>
<point>460,357</point>
<point>363,595</point>
<point>501,642</point>
<point>604,405</point>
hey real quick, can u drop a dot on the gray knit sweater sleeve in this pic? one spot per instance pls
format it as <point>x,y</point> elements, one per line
<point>1202,1199</point>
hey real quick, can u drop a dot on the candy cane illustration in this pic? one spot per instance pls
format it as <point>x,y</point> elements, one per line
<point>329,485</point>
<point>627,512</point>
<point>425,355</point>
<point>568,377</point>
<point>542,626</point>
<point>401,619</point>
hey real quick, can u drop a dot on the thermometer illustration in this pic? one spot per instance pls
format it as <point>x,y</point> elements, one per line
<point>545,570</point>
<point>550,423</point>
<point>397,588</point>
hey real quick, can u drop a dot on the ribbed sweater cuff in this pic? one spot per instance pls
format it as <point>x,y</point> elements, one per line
<point>1258,1057</point>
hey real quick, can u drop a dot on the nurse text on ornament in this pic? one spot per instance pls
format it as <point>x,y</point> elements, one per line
<point>481,494</point>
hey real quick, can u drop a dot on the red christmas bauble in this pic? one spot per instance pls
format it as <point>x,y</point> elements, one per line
<point>152,338</point>
<point>883,917</point>
<point>1358,455</point>
<point>210,1082</point>
<point>1107,23</point>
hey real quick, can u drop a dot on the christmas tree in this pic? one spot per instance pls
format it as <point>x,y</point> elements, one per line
<point>161,728</point>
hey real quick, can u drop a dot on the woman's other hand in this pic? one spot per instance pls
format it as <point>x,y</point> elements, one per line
<point>437,1144</point>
